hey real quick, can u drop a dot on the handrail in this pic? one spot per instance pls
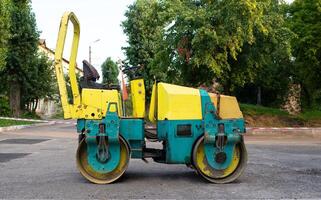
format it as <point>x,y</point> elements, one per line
<point>67,108</point>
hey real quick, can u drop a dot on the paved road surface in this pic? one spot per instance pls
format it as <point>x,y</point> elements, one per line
<point>41,164</point>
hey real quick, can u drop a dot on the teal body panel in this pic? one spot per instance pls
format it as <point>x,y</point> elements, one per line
<point>103,152</point>
<point>133,132</point>
<point>178,147</point>
<point>92,148</point>
<point>231,133</point>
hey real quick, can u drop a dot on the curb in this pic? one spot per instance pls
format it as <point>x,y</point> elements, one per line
<point>18,127</point>
<point>22,119</point>
<point>287,131</point>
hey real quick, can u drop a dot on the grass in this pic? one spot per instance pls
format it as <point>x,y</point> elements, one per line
<point>9,122</point>
<point>249,109</point>
<point>310,115</point>
<point>273,117</point>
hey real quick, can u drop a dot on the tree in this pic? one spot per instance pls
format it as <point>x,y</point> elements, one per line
<point>109,72</point>
<point>21,53</point>
<point>270,57</point>
<point>144,27</point>
<point>222,39</point>
<point>233,42</point>
<point>41,82</point>
<point>4,33</point>
<point>304,19</point>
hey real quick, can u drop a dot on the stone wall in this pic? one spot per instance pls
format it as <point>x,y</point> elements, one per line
<point>292,102</point>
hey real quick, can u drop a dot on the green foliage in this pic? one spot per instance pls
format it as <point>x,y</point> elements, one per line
<point>68,87</point>
<point>26,75</point>
<point>41,80</point>
<point>23,43</point>
<point>109,72</point>
<point>4,106</point>
<point>21,53</point>
<point>30,115</point>
<point>4,30</point>
<point>197,42</point>
<point>304,19</point>
<point>144,28</point>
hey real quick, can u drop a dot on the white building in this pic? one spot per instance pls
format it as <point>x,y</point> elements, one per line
<point>46,107</point>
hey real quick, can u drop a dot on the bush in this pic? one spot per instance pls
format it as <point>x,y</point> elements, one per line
<point>30,115</point>
<point>4,106</point>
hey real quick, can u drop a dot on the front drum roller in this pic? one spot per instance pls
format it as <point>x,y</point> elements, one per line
<point>97,177</point>
<point>231,173</point>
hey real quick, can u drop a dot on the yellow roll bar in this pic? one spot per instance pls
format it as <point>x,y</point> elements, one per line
<point>67,108</point>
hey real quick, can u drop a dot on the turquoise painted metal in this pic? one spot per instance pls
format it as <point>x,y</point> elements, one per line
<point>178,147</point>
<point>230,133</point>
<point>104,155</point>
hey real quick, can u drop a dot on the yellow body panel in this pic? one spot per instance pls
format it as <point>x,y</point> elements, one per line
<point>178,102</point>
<point>138,97</point>
<point>94,103</point>
<point>229,107</point>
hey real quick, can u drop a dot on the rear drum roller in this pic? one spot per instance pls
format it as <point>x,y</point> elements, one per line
<point>97,177</point>
<point>232,172</point>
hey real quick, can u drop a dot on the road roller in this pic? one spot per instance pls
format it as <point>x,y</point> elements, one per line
<point>201,130</point>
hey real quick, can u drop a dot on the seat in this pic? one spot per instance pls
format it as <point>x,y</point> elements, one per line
<point>91,76</point>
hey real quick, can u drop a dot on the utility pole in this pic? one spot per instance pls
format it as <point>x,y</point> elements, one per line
<point>97,40</point>
<point>89,54</point>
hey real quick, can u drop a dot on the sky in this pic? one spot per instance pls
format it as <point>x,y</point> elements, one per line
<point>99,19</point>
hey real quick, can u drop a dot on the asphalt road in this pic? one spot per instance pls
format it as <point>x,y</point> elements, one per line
<point>41,165</point>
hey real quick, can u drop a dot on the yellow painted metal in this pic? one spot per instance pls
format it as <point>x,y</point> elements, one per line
<point>231,173</point>
<point>204,167</point>
<point>178,102</point>
<point>94,103</point>
<point>102,178</point>
<point>67,108</point>
<point>137,88</point>
<point>152,108</point>
<point>229,107</point>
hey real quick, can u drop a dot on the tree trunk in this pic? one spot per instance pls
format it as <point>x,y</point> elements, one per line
<point>36,105</point>
<point>15,94</point>
<point>259,96</point>
<point>227,88</point>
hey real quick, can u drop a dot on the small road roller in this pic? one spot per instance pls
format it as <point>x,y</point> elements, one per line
<point>199,129</point>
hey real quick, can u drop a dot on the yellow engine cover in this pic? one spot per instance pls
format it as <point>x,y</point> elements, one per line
<point>178,102</point>
<point>229,107</point>
<point>173,102</point>
<point>94,103</point>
